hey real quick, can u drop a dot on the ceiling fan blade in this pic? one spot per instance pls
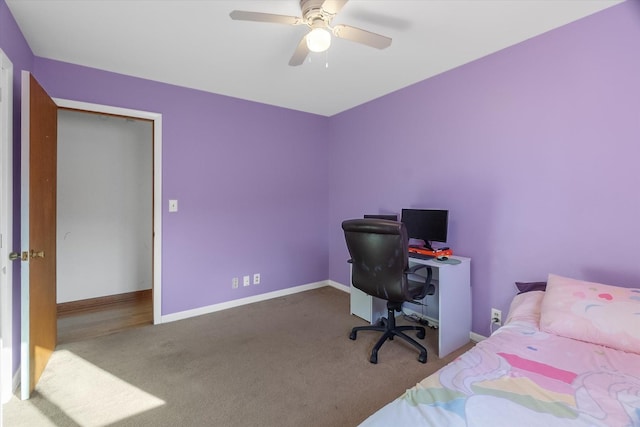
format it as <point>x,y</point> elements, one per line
<point>361,36</point>
<point>243,15</point>
<point>333,6</point>
<point>300,54</point>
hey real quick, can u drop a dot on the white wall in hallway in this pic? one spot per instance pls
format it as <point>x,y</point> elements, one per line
<point>105,196</point>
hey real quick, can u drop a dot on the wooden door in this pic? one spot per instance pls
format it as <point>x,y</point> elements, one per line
<point>38,205</point>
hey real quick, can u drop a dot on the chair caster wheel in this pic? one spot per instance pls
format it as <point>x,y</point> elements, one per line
<point>421,334</point>
<point>373,359</point>
<point>422,358</point>
<point>352,335</point>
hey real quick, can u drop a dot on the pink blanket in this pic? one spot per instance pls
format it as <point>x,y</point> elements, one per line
<point>520,377</point>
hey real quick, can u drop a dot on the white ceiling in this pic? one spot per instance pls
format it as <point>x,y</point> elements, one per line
<point>194,43</point>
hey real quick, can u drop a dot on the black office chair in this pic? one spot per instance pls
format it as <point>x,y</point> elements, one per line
<point>380,268</point>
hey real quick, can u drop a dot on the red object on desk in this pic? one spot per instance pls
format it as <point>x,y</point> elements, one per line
<point>434,253</point>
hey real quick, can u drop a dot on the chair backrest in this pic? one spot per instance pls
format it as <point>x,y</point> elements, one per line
<point>379,257</point>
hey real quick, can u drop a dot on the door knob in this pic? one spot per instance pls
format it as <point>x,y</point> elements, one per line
<point>14,256</point>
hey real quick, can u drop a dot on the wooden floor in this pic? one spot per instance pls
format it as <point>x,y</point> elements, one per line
<point>97,320</point>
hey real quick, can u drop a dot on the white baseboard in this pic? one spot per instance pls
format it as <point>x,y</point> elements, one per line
<point>477,337</point>
<point>339,286</point>
<point>244,301</point>
<point>263,297</point>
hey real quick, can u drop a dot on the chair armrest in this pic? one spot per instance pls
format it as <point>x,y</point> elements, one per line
<point>429,289</point>
<point>416,267</point>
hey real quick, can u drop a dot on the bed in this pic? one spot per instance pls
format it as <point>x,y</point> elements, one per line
<point>566,356</point>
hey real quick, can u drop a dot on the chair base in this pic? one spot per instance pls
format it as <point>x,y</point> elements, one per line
<point>390,330</point>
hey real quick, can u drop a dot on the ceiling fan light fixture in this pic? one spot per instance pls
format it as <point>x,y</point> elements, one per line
<point>318,40</point>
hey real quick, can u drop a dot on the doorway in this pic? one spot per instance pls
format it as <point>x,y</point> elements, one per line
<point>156,120</point>
<point>104,224</point>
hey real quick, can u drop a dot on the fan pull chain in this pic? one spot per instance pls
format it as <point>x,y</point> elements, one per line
<point>326,59</point>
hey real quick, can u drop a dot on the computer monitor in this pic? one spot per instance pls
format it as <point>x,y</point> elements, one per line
<point>429,225</point>
<point>383,216</point>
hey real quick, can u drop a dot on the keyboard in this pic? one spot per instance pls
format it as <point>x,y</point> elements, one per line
<point>420,256</point>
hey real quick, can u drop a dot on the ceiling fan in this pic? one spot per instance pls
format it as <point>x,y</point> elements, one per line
<point>317,15</point>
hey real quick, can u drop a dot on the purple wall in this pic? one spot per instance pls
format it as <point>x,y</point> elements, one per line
<point>534,150</point>
<point>16,48</point>
<point>250,180</point>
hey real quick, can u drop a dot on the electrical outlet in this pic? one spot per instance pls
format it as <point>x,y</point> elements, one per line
<point>256,279</point>
<point>235,282</point>
<point>496,316</point>
<point>246,280</point>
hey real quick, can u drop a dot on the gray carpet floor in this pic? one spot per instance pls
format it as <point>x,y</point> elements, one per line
<point>282,362</point>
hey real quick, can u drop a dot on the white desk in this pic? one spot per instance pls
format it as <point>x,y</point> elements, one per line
<point>449,307</point>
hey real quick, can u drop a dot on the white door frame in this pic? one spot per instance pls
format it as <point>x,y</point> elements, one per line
<point>157,184</point>
<point>6,229</point>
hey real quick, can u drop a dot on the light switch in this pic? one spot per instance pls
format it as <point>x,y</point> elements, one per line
<point>173,206</point>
